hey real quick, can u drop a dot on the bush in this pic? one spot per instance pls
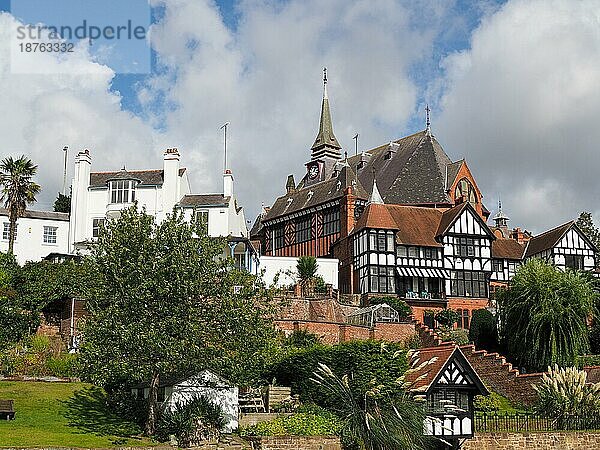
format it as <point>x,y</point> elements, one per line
<point>64,365</point>
<point>446,317</point>
<point>191,422</point>
<point>307,267</point>
<point>404,311</point>
<point>488,403</point>
<point>362,361</point>
<point>483,332</point>
<point>301,339</point>
<point>595,336</point>
<point>459,336</point>
<point>310,421</point>
<point>588,360</point>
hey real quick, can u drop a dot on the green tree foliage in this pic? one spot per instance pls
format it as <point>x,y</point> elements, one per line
<point>447,317</point>
<point>62,203</point>
<point>164,305</point>
<point>362,361</point>
<point>301,339</point>
<point>14,322</point>
<point>563,392</point>
<point>586,224</point>
<point>382,418</point>
<point>404,311</point>
<point>483,331</point>
<point>307,268</point>
<point>18,190</point>
<point>543,315</point>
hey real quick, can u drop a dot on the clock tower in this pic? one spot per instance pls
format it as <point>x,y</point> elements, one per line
<point>326,150</point>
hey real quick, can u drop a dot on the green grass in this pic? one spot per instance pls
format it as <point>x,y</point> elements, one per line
<point>65,415</point>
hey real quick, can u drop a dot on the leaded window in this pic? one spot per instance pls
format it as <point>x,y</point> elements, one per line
<point>401,251</point>
<point>331,221</point>
<point>464,189</point>
<point>382,279</point>
<point>201,217</point>
<point>574,262</point>
<point>469,284</point>
<point>430,253</point>
<point>278,237</point>
<point>97,225</point>
<point>468,247</point>
<point>303,229</point>
<point>497,265</point>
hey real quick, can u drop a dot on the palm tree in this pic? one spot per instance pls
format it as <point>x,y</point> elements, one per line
<point>379,419</point>
<point>17,190</point>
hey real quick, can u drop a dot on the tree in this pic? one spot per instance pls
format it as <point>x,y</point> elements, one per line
<point>164,305</point>
<point>447,317</point>
<point>17,190</point>
<point>383,418</point>
<point>543,315</point>
<point>586,224</point>
<point>14,324</point>
<point>483,331</point>
<point>62,203</point>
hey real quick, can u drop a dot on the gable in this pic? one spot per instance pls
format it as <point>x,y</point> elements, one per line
<point>455,374</point>
<point>458,372</point>
<point>469,222</point>
<point>576,239</point>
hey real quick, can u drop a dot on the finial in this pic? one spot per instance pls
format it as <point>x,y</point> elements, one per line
<point>428,123</point>
<point>325,82</point>
<point>499,205</point>
<point>346,155</point>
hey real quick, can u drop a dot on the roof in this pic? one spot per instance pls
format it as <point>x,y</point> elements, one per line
<point>507,249</point>
<point>206,200</point>
<point>426,366</point>
<point>145,177</point>
<point>43,215</point>
<point>452,172</point>
<point>547,240</point>
<point>325,136</point>
<point>449,217</point>
<point>317,194</point>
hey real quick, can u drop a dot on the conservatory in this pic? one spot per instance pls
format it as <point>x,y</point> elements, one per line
<point>370,315</point>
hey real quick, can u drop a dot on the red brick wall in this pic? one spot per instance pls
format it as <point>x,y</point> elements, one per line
<point>296,443</point>
<point>393,332</point>
<point>571,440</point>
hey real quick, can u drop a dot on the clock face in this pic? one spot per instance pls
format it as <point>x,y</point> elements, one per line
<point>313,172</point>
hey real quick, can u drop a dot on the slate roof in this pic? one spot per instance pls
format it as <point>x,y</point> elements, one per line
<point>317,194</point>
<point>453,171</point>
<point>507,249</point>
<point>44,215</point>
<point>449,217</point>
<point>547,240</point>
<point>145,177</point>
<point>208,200</point>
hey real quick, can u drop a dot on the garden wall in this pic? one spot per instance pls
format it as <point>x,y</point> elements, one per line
<point>567,440</point>
<point>296,443</point>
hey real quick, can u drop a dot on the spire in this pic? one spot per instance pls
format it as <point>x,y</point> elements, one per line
<point>375,198</point>
<point>325,137</point>
<point>500,219</point>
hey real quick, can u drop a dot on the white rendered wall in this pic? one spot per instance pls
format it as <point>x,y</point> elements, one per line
<point>29,245</point>
<point>282,265</point>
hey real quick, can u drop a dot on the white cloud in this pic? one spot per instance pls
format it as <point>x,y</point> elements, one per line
<point>522,105</point>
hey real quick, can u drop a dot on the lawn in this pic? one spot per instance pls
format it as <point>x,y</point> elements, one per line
<point>63,414</point>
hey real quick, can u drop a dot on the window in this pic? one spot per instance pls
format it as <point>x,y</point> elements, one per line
<point>381,242</point>
<point>303,229</point>
<point>331,221</point>
<point>161,395</point>
<point>574,262</point>
<point>497,265</point>
<point>97,225</point>
<point>512,266</point>
<point>413,252</point>
<point>122,191</point>
<point>465,190</point>
<point>401,251</point>
<point>201,217</point>
<point>463,318</point>
<point>6,231</point>
<point>469,284</point>
<point>50,235</point>
<point>438,399</point>
<point>430,253</point>
<point>278,237</point>
<point>383,279</point>
<point>468,247</point>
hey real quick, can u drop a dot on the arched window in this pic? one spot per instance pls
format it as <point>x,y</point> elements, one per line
<point>464,189</point>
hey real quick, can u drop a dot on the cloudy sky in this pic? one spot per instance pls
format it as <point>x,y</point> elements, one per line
<point>513,88</point>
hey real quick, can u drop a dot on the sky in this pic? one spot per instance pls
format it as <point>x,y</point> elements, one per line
<point>512,86</point>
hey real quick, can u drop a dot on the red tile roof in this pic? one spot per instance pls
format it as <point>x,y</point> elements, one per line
<point>424,366</point>
<point>507,249</point>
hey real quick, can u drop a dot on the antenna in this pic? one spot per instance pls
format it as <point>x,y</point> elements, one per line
<point>224,128</point>
<point>356,144</point>
<point>66,152</point>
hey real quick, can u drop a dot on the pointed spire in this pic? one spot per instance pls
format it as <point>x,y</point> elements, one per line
<point>325,137</point>
<point>500,219</point>
<point>375,198</point>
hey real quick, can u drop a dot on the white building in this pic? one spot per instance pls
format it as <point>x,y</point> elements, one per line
<point>98,196</point>
<point>39,233</point>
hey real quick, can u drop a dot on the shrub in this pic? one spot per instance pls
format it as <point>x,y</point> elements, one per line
<point>459,336</point>
<point>191,422</point>
<point>320,286</point>
<point>588,360</point>
<point>595,336</point>
<point>64,365</point>
<point>363,361</point>
<point>307,267</point>
<point>404,311</point>
<point>483,332</point>
<point>446,317</point>
<point>301,339</point>
<point>488,403</point>
<point>307,421</point>
<point>413,342</point>
<point>563,392</point>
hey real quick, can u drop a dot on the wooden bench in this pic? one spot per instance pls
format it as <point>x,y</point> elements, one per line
<point>7,409</point>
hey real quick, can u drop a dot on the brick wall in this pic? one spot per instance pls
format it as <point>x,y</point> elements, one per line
<point>296,443</point>
<point>568,440</point>
<point>335,332</point>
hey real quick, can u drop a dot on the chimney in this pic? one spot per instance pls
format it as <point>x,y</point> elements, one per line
<point>290,185</point>
<point>227,183</point>
<point>347,213</point>
<point>79,200</point>
<point>171,185</point>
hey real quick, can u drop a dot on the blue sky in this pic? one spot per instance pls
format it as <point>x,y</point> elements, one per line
<point>487,68</point>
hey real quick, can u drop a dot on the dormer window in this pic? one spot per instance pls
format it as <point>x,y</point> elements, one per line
<point>122,191</point>
<point>465,191</point>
